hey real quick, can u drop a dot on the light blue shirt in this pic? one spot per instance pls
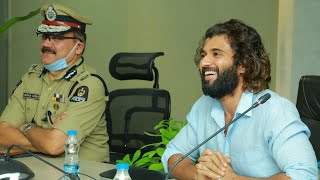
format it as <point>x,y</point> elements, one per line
<point>266,141</point>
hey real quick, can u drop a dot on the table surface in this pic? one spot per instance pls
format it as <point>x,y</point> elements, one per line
<point>44,171</point>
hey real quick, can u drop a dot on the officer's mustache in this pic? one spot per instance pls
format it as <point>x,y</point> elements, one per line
<point>47,49</point>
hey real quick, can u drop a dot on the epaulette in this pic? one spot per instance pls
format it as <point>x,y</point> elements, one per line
<point>83,76</point>
<point>35,68</point>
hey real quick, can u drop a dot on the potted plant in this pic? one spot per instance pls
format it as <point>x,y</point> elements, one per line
<point>152,159</point>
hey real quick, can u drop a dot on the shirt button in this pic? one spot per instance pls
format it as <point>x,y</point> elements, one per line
<point>49,88</point>
<point>43,107</point>
<point>28,108</point>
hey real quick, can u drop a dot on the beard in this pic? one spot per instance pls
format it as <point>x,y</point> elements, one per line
<point>225,83</point>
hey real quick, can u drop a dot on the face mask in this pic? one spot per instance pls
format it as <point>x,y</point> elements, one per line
<point>59,64</point>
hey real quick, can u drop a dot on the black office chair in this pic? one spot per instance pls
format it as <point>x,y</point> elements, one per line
<point>308,105</point>
<point>136,110</point>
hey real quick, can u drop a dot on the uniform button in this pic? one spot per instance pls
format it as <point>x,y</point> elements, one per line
<point>28,108</point>
<point>49,88</point>
<point>43,107</point>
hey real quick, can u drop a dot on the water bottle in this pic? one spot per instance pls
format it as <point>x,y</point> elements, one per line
<point>71,149</point>
<point>122,172</point>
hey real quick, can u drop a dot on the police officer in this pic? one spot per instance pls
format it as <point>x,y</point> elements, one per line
<point>60,94</point>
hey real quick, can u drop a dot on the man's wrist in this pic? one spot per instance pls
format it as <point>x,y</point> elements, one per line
<point>27,127</point>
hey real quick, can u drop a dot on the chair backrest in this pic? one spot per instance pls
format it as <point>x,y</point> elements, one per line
<point>308,105</point>
<point>128,66</point>
<point>137,110</point>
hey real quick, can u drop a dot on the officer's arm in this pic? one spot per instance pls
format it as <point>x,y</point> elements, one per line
<point>10,135</point>
<point>46,140</point>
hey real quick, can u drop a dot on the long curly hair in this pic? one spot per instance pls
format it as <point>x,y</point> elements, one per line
<point>249,52</point>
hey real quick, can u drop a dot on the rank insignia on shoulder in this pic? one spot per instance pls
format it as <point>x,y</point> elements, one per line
<point>80,95</point>
<point>58,98</point>
<point>84,77</point>
<point>33,67</point>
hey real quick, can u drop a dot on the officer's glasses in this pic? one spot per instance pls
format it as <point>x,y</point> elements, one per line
<point>55,37</point>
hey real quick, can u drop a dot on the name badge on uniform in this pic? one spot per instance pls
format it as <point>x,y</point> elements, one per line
<point>58,98</point>
<point>31,96</point>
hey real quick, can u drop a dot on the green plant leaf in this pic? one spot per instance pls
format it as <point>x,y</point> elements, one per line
<point>143,164</point>
<point>165,140</point>
<point>151,134</point>
<point>162,124</point>
<point>14,20</point>
<point>136,156</point>
<point>126,158</point>
<point>149,154</point>
<point>142,161</point>
<point>156,167</point>
<point>166,133</point>
<point>155,160</point>
<point>160,151</point>
<point>154,144</point>
<point>152,159</point>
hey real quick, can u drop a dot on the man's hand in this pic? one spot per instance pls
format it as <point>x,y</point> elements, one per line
<point>203,173</point>
<point>11,135</point>
<point>214,165</point>
<point>200,176</point>
<point>47,140</point>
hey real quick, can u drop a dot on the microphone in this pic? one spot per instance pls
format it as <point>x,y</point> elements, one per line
<point>13,166</point>
<point>260,101</point>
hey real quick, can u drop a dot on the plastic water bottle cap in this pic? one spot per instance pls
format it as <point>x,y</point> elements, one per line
<point>122,166</point>
<point>72,132</point>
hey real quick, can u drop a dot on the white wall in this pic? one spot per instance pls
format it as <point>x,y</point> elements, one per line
<point>298,44</point>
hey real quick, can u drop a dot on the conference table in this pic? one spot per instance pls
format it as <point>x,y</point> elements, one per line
<point>43,171</point>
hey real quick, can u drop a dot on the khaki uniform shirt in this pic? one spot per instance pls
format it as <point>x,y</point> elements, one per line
<point>39,99</point>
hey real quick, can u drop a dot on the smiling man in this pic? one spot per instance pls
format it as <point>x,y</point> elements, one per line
<point>269,142</point>
<point>60,94</point>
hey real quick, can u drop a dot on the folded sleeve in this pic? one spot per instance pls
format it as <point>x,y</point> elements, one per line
<point>183,142</point>
<point>14,112</point>
<point>289,143</point>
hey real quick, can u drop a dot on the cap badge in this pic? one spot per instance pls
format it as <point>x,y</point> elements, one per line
<point>51,14</point>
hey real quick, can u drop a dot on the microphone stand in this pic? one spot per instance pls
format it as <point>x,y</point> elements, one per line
<point>260,101</point>
<point>7,159</point>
